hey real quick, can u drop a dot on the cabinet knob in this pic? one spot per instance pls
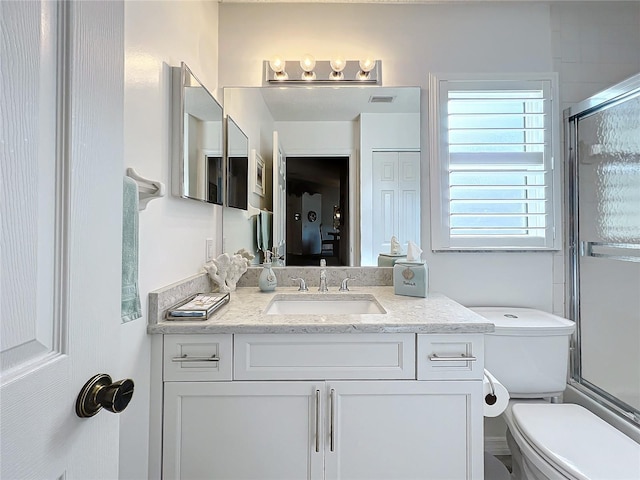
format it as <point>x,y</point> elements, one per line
<point>101,392</point>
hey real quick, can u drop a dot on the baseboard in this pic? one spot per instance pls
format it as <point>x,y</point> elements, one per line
<point>496,446</point>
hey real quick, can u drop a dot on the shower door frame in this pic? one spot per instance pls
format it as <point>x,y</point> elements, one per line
<point>621,92</point>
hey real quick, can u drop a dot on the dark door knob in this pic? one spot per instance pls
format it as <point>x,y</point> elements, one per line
<point>101,392</point>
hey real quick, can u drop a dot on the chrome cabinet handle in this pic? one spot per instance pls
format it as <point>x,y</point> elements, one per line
<point>317,421</point>
<point>463,357</point>
<point>332,414</point>
<point>185,358</point>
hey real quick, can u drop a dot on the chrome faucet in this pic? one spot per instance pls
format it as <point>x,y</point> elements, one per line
<point>344,287</point>
<point>323,276</point>
<point>302,285</point>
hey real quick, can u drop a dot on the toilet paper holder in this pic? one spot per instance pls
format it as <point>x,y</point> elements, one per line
<point>490,398</point>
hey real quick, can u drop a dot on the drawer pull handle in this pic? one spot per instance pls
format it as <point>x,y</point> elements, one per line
<point>434,357</point>
<point>317,421</point>
<point>332,414</point>
<point>185,358</point>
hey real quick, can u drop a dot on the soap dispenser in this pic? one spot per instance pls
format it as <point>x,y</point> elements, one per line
<point>267,281</point>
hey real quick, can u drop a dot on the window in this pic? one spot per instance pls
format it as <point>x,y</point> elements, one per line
<point>492,156</point>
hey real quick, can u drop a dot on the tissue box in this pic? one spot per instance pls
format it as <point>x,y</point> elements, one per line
<point>411,279</point>
<point>388,260</point>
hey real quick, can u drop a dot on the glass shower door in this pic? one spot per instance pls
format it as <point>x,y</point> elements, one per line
<point>604,238</point>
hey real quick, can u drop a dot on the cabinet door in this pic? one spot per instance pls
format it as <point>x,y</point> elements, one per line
<point>396,430</point>
<point>242,430</point>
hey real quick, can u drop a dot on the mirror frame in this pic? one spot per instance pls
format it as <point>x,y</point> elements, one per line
<point>179,84</point>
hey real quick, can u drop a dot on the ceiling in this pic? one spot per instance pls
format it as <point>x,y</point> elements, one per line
<point>337,104</point>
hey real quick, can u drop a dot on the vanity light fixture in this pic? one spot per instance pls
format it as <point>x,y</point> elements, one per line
<point>335,71</point>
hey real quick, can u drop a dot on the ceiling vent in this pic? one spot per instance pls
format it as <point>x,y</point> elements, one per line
<point>382,99</point>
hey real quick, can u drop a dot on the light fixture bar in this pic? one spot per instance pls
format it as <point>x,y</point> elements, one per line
<point>352,74</point>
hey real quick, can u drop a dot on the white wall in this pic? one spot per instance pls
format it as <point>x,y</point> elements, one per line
<point>172,230</point>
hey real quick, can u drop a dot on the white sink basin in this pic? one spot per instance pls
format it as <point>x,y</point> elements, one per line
<point>323,304</point>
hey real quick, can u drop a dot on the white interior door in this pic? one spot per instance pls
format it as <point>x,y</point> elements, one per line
<point>61,188</point>
<point>279,197</point>
<point>396,199</point>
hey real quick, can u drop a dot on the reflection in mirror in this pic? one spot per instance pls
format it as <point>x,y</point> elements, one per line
<point>237,165</point>
<point>347,162</point>
<point>198,140</point>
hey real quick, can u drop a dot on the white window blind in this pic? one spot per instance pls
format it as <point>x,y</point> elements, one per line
<point>492,164</point>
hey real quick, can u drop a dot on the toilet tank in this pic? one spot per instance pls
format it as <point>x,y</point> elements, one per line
<point>529,351</point>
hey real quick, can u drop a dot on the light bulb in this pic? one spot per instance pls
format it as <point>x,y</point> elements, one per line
<point>338,63</point>
<point>308,63</point>
<point>277,64</point>
<point>367,64</point>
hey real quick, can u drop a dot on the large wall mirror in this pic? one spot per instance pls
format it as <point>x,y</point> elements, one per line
<point>198,166</point>
<point>342,171</point>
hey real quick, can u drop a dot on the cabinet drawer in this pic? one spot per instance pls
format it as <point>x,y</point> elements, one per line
<point>324,356</point>
<point>197,357</point>
<point>450,357</point>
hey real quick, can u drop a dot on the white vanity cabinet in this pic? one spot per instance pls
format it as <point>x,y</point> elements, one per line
<point>325,406</point>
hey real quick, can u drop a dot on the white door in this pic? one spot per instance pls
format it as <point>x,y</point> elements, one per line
<point>243,430</point>
<point>396,199</point>
<point>394,430</point>
<point>61,187</point>
<point>279,197</point>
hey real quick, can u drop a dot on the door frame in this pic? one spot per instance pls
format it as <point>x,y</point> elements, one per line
<point>354,192</point>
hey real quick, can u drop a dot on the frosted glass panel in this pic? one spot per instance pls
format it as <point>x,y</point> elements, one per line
<point>609,223</point>
<point>609,189</point>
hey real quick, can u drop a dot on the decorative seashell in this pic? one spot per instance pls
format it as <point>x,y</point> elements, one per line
<point>226,270</point>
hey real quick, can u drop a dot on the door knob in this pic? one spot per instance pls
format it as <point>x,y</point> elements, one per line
<point>101,392</point>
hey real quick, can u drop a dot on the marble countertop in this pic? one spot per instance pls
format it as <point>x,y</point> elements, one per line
<point>245,314</point>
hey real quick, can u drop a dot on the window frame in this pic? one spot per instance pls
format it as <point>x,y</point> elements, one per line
<point>441,238</point>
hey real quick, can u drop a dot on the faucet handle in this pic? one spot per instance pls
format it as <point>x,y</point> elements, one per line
<point>344,287</point>
<point>302,285</point>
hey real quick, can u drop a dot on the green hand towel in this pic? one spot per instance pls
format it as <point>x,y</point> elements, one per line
<point>130,295</point>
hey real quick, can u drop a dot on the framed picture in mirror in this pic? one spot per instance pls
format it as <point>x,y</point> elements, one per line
<point>257,173</point>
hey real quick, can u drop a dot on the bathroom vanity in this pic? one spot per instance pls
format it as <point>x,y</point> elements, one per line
<point>395,394</point>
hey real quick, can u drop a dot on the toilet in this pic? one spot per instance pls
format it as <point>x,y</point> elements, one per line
<point>529,354</point>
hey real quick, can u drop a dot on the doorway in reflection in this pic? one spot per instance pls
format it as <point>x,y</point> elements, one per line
<point>317,210</point>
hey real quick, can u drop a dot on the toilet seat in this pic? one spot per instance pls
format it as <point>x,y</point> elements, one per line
<point>574,442</point>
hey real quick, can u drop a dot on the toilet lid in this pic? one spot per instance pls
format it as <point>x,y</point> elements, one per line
<point>525,321</point>
<point>577,442</point>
